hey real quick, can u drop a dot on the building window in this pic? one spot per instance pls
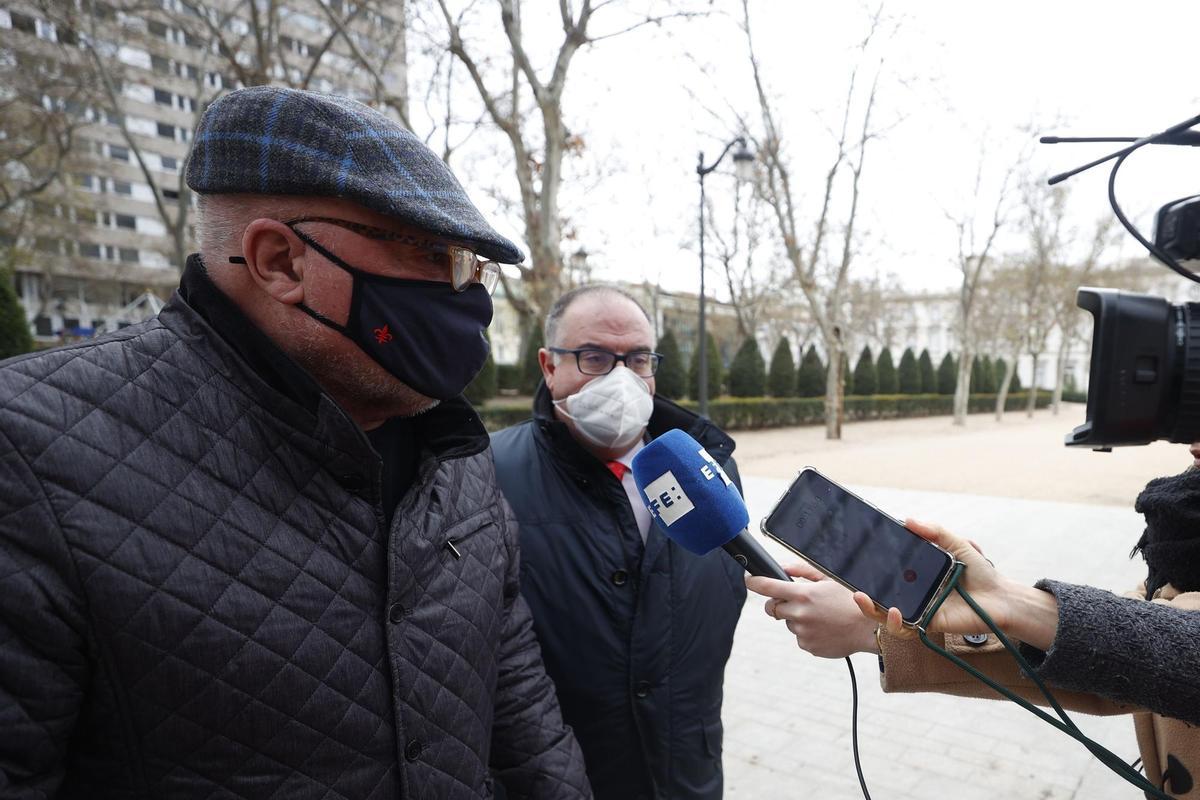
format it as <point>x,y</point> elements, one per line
<point>89,250</point>
<point>169,162</point>
<point>126,221</point>
<point>160,65</point>
<point>129,255</point>
<point>170,194</point>
<point>118,153</point>
<point>166,131</point>
<point>157,28</point>
<point>85,181</point>
<point>23,23</point>
<point>162,97</point>
<point>122,187</point>
<point>45,244</point>
<point>85,215</point>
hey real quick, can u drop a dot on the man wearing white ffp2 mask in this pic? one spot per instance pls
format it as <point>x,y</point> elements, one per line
<point>604,585</point>
<point>611,411</point>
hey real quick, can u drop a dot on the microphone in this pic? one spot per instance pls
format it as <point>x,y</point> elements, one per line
<point>695,504</point>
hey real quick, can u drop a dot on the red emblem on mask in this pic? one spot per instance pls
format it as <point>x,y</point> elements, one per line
<point>383,335</point>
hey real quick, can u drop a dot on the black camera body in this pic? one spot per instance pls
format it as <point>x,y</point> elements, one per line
<point>1144,382</point>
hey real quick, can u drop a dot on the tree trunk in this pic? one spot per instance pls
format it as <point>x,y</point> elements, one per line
<point>1010,369</point>
<point>1033,386</point>
<point>962,387</point>
<point>834,403</point>
<point>1059,373</point>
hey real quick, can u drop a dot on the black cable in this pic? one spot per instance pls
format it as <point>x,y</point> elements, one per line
<point>1154,249</point>
<point>854,729</point>
<point>1064,723</point>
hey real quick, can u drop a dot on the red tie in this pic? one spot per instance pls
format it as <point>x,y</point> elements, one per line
<point>617,468</point>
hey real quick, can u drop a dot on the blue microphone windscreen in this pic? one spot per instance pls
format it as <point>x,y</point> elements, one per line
<point>691,499</point>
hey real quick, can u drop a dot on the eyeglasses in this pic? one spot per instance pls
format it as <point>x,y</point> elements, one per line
<point>592,361</point>
<point>462,264</point>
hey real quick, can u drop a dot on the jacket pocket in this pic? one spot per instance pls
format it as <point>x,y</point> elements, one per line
<point>458,537</point>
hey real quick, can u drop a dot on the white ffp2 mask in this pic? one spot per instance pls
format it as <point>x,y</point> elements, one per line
<point>610,411</point>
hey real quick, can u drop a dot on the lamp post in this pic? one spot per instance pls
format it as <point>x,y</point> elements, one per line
<point>579,266</point>
<point>743,161</point>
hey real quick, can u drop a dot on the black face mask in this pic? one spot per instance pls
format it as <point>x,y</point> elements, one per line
<point>423,332</point>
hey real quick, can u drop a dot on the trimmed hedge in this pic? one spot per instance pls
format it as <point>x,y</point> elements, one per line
<point>508,377</point>
<point>754,413</point>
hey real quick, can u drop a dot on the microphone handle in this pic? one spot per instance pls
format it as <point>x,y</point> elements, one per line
<point>746,550</point>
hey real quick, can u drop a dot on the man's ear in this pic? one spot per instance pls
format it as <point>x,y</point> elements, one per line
<point>275,259</point>
<point>546,362</point>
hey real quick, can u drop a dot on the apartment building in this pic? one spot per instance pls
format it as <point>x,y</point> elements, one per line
<point>98,245</point>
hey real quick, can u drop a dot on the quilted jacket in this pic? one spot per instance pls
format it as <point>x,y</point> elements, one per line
<point>635,637</point>
<point>199,597</point>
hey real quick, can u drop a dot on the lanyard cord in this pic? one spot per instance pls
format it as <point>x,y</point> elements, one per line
<point>1063,722</point>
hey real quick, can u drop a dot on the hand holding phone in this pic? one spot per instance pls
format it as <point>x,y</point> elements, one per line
<point>998,596</point>
<point>859,546</point>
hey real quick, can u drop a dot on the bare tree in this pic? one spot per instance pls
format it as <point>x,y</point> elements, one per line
<point>874,312</point>
<point>47,95</point>
<point>526,105</point>
<point>753,275</point>
<point>821,275</point>
<point>999,322</point>
<point>1071,322</point>
<point>1045,211</point>
<point>976,232</point>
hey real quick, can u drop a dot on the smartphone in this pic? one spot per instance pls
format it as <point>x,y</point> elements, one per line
<point>858,545</point>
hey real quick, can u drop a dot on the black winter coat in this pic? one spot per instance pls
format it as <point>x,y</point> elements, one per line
<point>199,597</point>
<point>635,639</point>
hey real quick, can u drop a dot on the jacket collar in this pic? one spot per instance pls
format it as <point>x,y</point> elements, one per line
<point>240,351</point>
<point>666,416</point>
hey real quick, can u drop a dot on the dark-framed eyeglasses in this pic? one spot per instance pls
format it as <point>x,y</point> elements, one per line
<point>462,265</point>
<point>594,361</point>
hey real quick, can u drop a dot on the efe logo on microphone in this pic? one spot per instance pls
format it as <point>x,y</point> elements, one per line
<point>666,500</point>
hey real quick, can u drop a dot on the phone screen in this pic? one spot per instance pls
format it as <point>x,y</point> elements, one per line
<point>859,544</point>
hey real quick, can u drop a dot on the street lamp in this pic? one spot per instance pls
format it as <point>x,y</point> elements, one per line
<point>578,261</point>
<point>743,162</point>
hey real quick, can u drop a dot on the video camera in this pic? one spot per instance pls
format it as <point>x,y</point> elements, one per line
<point>1144,382</point>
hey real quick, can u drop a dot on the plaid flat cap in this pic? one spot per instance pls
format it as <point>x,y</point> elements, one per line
<point>272,140</point>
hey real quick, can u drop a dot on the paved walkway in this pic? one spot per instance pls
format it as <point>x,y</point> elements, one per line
<point>787,714</point>
<point>1019,457</point>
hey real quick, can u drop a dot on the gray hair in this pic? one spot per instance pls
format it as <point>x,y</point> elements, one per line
<point>554,317</point>
<point>221,219</point>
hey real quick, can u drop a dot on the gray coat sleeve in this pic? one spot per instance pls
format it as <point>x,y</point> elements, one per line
<point>534,753</point>
<point>43,662</point>
<point>1130,651</point>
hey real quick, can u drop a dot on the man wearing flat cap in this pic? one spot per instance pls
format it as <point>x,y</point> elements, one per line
<point>253,547</point>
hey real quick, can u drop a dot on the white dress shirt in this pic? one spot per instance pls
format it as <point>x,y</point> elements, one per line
<point>640,512</point>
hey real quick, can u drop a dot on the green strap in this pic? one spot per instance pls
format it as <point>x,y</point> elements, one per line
<point>1063,722</point>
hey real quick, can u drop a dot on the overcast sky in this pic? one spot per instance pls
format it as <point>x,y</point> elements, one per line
<point>955,74</point>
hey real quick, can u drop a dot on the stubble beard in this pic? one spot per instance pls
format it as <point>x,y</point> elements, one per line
<point>358,383</point>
